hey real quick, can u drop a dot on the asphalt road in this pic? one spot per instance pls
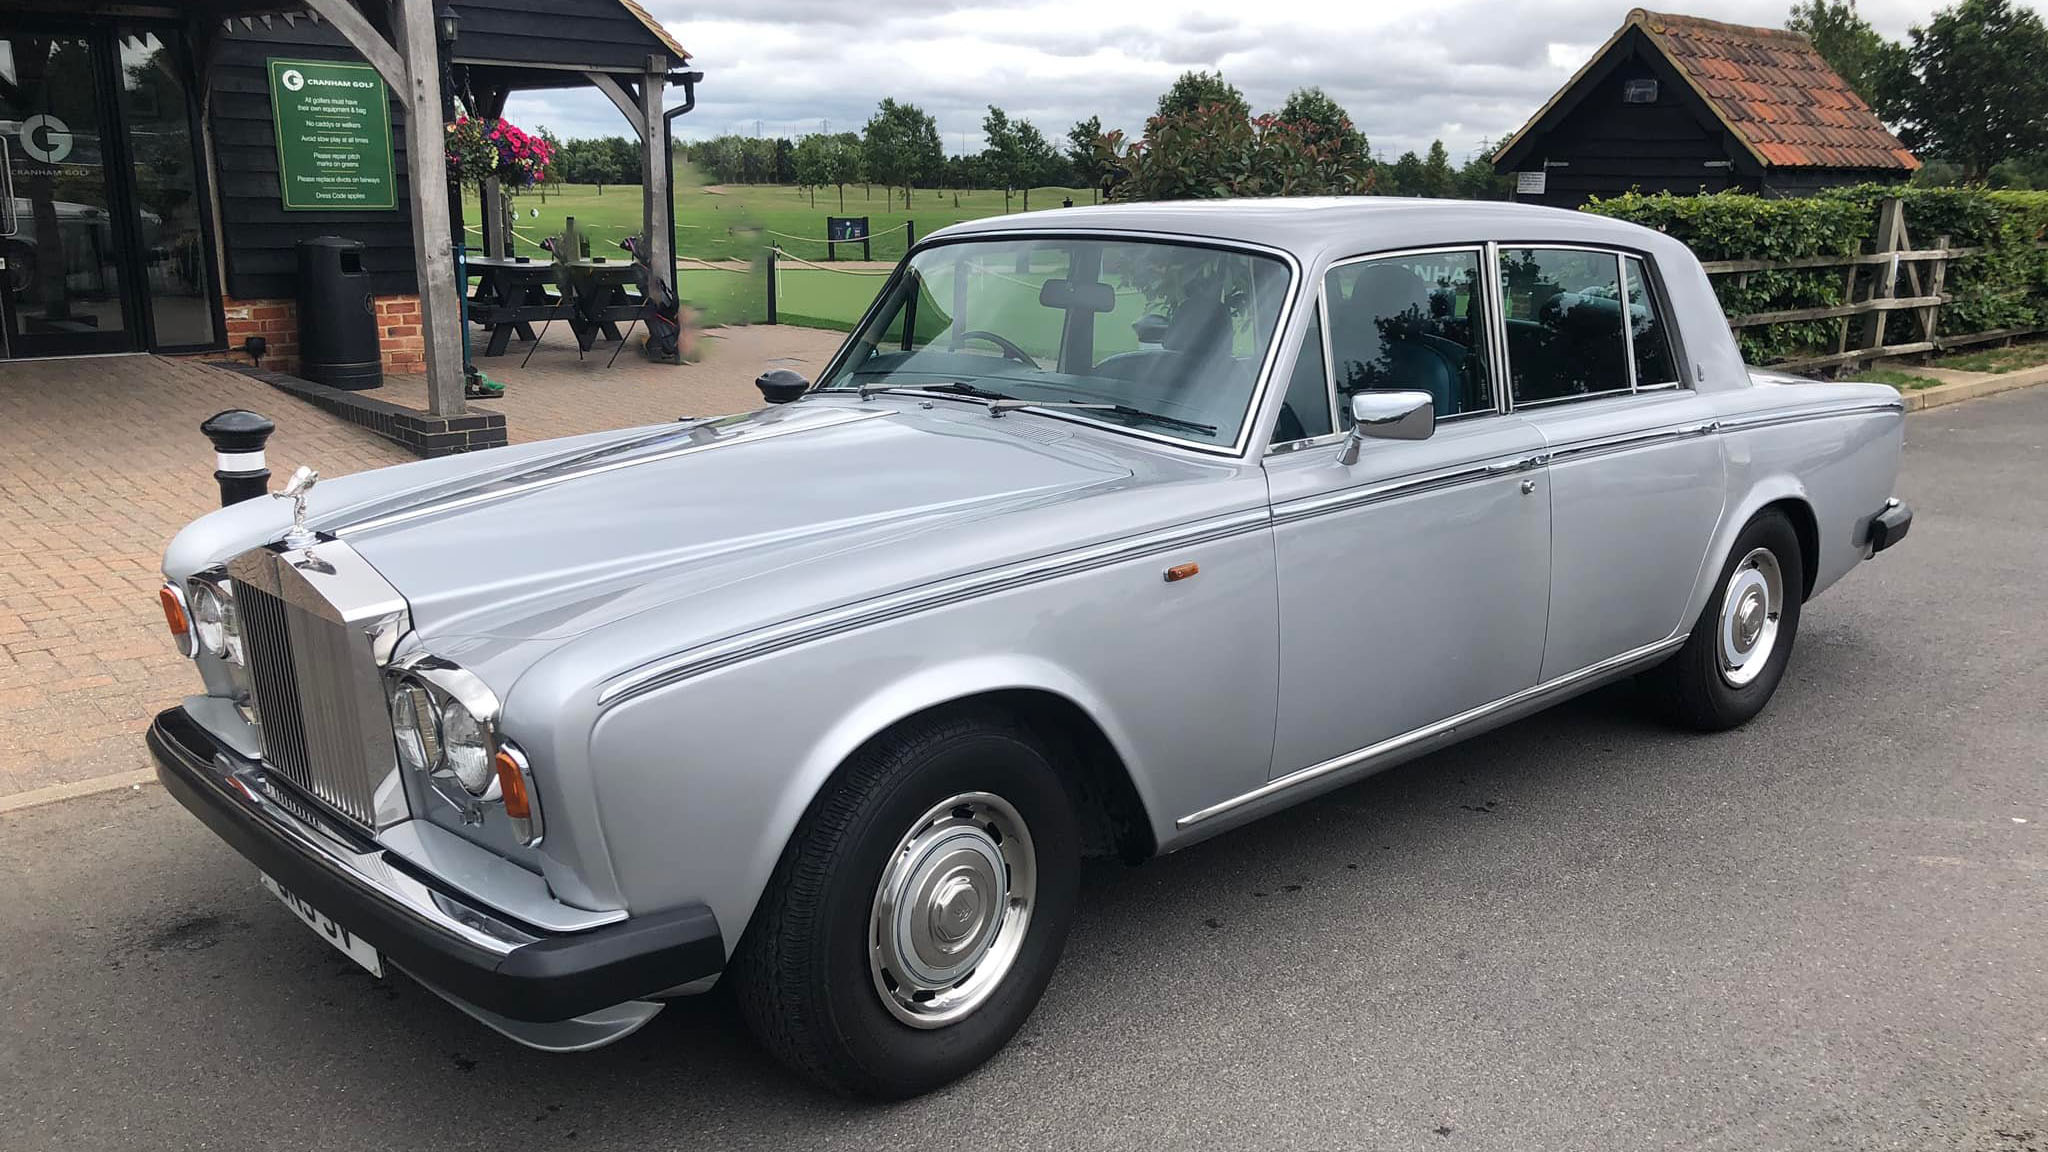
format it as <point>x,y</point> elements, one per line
<point>1828,929</point>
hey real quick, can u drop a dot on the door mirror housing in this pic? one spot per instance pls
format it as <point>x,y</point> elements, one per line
<point>1388,415</point>
<point>780,385</point>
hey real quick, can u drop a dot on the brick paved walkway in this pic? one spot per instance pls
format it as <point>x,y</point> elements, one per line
<point>101,461</point>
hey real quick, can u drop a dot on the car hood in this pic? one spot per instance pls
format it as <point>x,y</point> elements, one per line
<point>560,544</point>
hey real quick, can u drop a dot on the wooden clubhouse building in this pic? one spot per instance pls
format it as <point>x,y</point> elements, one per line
<point>1685,105</point>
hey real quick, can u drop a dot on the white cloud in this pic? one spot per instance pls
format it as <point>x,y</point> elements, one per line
<point>1462,70</point>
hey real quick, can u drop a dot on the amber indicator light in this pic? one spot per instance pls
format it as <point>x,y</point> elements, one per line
<point>512,785</point>
<point>174,612</point>
<point>1181,572</point>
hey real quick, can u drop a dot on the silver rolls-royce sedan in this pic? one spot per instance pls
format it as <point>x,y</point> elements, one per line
<point>1107,530</point>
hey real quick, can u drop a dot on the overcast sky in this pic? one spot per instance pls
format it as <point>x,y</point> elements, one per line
<point>1461,70</point>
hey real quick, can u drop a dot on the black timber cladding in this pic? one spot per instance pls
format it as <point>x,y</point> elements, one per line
<point>1600,144</point>
<point>558,38</point>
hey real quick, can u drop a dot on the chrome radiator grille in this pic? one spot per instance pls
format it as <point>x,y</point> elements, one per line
<point>305,673</point>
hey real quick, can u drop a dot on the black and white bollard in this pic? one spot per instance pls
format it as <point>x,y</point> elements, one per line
<point>238,437</point>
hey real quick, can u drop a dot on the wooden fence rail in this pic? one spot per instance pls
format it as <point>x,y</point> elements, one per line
<point>1925,270</point>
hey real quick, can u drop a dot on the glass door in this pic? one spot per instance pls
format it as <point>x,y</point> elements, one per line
<point>64,290</point>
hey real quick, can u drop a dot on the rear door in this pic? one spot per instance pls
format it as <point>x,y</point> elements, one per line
<point>1636,475</point>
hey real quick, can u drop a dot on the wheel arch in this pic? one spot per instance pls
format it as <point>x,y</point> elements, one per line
<point>1782,493</point>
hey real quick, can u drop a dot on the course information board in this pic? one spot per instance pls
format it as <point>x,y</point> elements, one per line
<point>333,135</point>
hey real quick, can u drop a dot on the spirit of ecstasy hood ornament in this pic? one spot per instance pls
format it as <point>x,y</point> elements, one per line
<point>302,481</point>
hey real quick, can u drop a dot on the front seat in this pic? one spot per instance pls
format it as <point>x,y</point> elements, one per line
<point>1380,338</point>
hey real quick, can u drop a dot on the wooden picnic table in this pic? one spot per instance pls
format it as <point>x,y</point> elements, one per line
<point>510,295</point>
<point>603,298</point>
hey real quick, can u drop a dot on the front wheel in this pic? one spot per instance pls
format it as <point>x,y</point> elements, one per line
<point>1732,662</point>
<point>919,911</point>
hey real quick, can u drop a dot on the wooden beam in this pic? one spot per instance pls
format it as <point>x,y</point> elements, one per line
<point>427,174</point>
<point>658,231</point>
<point>364,38</point>
<point>626,102</point>
<point>1861,308</point>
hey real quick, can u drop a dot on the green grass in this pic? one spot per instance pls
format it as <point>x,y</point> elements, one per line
<point>2007,359</point>
<point>736,222</point>
<point>1903,381</point>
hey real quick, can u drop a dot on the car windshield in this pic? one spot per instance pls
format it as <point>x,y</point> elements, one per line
<point>1163,337</point>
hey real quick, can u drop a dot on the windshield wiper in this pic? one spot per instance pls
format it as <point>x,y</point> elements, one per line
<point>952,388</point>
<point>998,407</point>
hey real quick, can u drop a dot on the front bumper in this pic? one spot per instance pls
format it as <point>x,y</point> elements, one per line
<point>467,952</point>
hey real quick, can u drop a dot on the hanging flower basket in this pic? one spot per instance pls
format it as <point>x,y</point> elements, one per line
<point>479,149</point>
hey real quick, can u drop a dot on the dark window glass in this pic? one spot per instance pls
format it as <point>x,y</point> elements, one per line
<point>1655,366</point>
<point>1563,323</point>
<point>1411,322</point>
<point>1306,412</point>
<point>155,106</point>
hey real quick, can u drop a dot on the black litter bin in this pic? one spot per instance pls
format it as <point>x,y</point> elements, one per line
<point>337,315</point>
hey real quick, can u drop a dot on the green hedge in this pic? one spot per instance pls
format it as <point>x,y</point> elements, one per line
<point>2005,286</point>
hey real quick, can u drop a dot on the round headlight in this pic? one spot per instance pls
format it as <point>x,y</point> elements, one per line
<point>210,618</point>
<point>417,725</point>
<point>467,752</point>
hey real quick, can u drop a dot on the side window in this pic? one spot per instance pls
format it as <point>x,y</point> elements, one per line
<point>1410,322</point>
<point>1305,414</point>
<point>1656,367</point>
<point>1563,312</point>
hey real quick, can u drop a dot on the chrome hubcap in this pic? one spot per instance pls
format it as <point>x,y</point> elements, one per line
<point>951,910</point>
<point>1750,608</point>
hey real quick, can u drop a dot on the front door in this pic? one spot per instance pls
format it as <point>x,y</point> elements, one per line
<point>66,289</point>
<point>1413,582</point>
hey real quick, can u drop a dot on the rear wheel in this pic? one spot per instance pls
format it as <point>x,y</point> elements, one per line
<point>1732,662</point>
<point>918,912</point>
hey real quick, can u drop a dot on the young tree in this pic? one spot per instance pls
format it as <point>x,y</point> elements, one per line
<point>1038,162</point>
<point>1874,66</point>
<point>1000,157</point>
<point>1195,89</point>
<point>1437,179</point>
<point>901,145</point>
<point>1082,156</point>
<point>1324,119</point>
<point>1979,90</point>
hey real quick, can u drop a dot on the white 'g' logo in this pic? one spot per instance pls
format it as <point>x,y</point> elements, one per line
<point>292,79</point>
<point>46,138</point>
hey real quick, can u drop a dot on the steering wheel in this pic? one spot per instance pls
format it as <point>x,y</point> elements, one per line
<point>1010,351</point>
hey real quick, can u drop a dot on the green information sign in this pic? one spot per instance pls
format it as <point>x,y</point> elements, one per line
<point>333,135</point>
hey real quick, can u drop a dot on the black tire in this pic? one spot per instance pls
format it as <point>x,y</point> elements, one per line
<point>1691,688</point>
<point>802,970</point>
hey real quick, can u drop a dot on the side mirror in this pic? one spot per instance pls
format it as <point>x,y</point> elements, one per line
<point>1392,415</point>
<point>780,385</point>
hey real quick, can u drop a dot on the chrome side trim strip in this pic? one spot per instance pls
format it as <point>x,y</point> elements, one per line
<point>1364,494</point>
<point>1772,420</point>
<point>1625,441</point>
<point>861,614</point>
<point>1365,756</point>
<point>548,481</point>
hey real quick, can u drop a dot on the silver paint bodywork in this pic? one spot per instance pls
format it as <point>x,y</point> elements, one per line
<point>691,626</point>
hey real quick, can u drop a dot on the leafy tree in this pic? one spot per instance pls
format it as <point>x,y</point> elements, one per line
<point>1477,180</point>
<point>1038,162</point>
<point>1084,156</point>
<point>1214,150</point>
<point>1979,91</point>
<point>1323,119</point>
<point>1437,178</point>
<point>1404,176</point>
<point>1001,158</point>
<point>1872,65</point>
<point>901,145</point>
<point>1196,89</point>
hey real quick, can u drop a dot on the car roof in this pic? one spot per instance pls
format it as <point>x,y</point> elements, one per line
<point>1310,227</point>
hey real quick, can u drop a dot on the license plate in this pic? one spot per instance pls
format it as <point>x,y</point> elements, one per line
<point>349,944</point>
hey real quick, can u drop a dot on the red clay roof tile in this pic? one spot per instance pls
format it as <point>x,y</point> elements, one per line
<point>1775,93</point>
